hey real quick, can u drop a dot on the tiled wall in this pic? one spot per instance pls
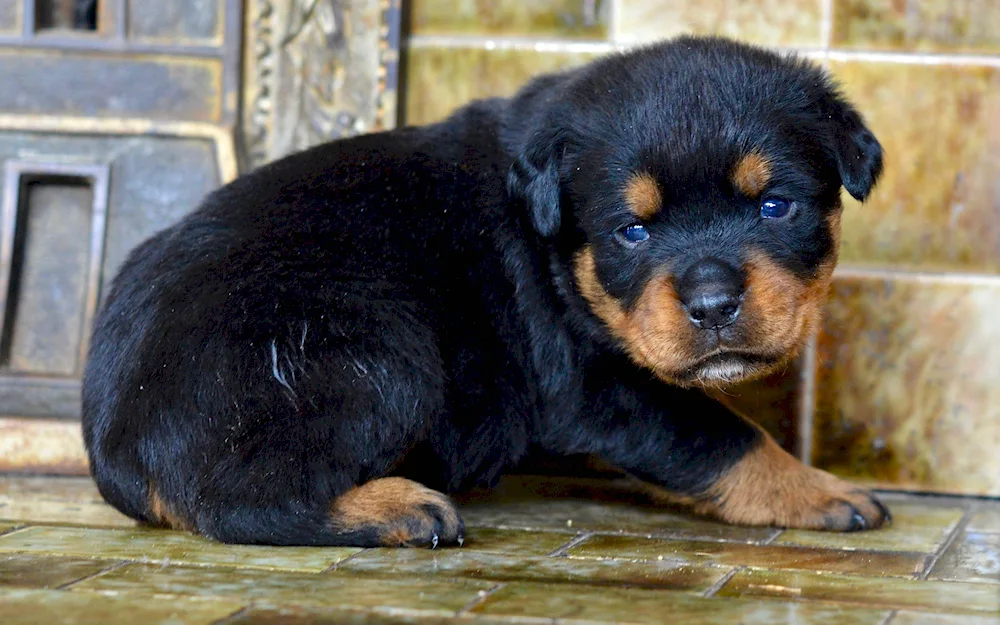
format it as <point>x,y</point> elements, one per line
<point>903,387</point>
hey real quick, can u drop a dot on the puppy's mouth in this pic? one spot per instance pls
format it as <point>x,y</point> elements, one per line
<point>727,367</point>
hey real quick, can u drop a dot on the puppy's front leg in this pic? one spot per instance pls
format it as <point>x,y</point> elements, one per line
<point>723,466</point>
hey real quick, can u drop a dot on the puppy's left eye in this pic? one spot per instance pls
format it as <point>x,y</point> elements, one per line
<point>775,208</point>
<point>632,234</point>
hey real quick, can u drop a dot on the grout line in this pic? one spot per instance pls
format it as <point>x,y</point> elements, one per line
<point>231,617</point>
<point>15,529</point>
<point>511,43</point>
<point>480,598</point>
<point>807,402</point>
<point>921,277</point>
<point>597,46</point>
<point>561,551</point>
<point>826,25</point>
<point>614,19</point>
<point>920,58</point>
<point>337,564</point>
<point>717,586</point>
<point>107,569</point>
<point>772,538</point>
<point>931,560</point>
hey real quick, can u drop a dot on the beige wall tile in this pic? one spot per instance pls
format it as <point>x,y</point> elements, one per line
<point>938,205</point>
<point>944,25</point>
<point>577,19</point>
<point>907,390</point>
<point>766,22</point>
<point>440,80</point>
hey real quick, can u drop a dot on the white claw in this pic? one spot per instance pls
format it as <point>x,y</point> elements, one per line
<point>461,540</point>
<point>434,541</point>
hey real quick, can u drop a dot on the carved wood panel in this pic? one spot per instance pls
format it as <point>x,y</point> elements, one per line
<point>316,70</point>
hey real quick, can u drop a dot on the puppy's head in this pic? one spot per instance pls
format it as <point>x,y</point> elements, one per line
<point>693,188</point>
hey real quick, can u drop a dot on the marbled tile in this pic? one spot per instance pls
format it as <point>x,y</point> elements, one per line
<point>649,606</point>
<point>151,545</point>
<point>23,606</point>
<point>40,571</point>
<point>937,205</point>
<point>38,510</point>
<point>902,564</point>
<point>940,25</point>
<point>76,489</point>
<point>288,588</point>
<point>914,528</point>
<point>905,617</point>
<point>907,392</point>
<point>413,564</point>
<point>514,542</point>
<point>265,614</point>
<point>557,504</point>
<point>985,517</point>
<point>439,80</point>
<point>766,22</point>
<point>575,19</point>
<point>877,592</point>
<point>973,557</point>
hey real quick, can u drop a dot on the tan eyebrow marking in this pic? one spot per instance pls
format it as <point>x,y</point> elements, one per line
<point>751,174</point>
<point>643,195</point>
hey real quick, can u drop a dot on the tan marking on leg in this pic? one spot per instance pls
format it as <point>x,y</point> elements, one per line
<point>401,511</point>
<point>162,513</point>
<point>770,487</point>
<point>643,195</point>
<point>751,174</point>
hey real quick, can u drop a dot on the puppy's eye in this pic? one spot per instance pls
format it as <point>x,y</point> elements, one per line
<point>632,234</point>
<point>775,208</point>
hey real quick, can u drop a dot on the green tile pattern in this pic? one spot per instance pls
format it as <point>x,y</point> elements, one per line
<point>904,564</point>
<point>36,571</point>
<point>881,592</point>
<point>28,606</point>
<point>501,567</point>
<point>445,596</point>
<point>973,557</point>
<point>556,504</point>
<point>153,545</point>
<point>648,606</point>
<point>540,549</point>
<point>520,542</point>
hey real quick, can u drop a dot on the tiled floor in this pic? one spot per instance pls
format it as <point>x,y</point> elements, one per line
<point>539,549</point>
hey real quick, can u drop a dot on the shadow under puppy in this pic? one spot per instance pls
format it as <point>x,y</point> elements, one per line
<point>326,339</point>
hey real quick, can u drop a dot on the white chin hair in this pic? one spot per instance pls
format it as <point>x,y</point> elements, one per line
<point>731,371</point>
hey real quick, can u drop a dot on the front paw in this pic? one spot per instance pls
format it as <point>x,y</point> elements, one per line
<point>770,487</point>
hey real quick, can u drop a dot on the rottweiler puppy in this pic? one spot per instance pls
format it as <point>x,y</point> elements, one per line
<point>329,342</point>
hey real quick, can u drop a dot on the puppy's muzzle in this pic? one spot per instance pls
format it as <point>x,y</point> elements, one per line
<point>711,292</point>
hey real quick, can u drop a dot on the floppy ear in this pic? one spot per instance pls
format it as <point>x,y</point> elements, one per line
<point>535,135</point>
<point>858,152</point>
<point>534,177</point>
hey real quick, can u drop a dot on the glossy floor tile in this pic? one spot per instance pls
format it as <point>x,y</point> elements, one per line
<point>28,606</point>
<point>879,563</point>
<point>155,545</point>
<point>538,548</point>
<point>906,383</point>
<point>973,557</point>
<point>881,592</point>
<point>636,605</point>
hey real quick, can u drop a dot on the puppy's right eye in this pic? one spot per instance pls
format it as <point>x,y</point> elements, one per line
<point>632,234</point>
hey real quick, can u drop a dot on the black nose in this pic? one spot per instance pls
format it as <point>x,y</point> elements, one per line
<point>710,292</point>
